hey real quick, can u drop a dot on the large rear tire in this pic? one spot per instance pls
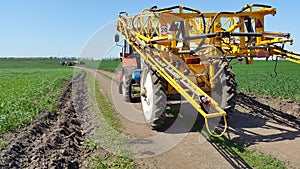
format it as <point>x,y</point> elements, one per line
<point>153,98</point>
<point>225,91</point>
<point>127,83</point>
<point>120,88</point>
<point>229,90</point>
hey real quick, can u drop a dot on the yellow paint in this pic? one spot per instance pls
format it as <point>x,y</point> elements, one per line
<point>146,31</point>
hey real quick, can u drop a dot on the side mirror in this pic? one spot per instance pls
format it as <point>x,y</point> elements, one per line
<point>117,38</point>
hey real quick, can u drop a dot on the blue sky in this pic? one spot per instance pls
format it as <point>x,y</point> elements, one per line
<point>62,27</point>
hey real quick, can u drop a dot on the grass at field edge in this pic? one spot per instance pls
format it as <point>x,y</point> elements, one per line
<point>109,113</point>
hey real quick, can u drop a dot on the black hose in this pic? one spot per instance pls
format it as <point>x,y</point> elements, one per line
<point>164,9</point>
<point>237,12</point>
<point>121,13</point>
<point>275,68</point>
<point>262,5</point>
<point>153,9</point>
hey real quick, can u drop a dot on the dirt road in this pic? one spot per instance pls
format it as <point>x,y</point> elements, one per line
<point>268,125</point>
<point>174,148</point>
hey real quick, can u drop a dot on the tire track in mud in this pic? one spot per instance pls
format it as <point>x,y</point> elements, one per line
<point>54,140</point>
<point>282,111</point>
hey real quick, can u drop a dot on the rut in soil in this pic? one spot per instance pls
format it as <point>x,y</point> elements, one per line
<point>53,140</point>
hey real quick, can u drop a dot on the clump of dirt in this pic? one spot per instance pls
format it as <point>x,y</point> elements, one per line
<point>54,140</point>
<point>282,111</point>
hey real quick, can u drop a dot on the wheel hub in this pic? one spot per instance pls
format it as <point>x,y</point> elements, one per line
<point>147,94</point>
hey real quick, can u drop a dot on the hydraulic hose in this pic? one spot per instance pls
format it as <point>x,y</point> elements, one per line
<point>154,9</point>
<point>237,12</point>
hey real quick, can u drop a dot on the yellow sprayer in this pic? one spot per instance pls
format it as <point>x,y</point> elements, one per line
<point>180,50</point>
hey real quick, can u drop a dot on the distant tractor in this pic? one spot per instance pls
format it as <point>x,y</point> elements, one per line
<point>68,63</point>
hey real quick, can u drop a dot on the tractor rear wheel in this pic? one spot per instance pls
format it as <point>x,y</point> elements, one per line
<point>127,83</point>
<point>229,90</point>
<point>153,98</point>
<point>225,90</point>
<point>120,88</point>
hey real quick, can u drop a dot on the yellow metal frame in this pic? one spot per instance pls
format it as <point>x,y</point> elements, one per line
<point>220,23</point>
<point>238,34</point>
<point>159,67</point>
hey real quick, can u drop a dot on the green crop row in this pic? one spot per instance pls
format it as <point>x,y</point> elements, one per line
<point>103,64</point>
<point>27,87</point>
<point>260,78</point>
